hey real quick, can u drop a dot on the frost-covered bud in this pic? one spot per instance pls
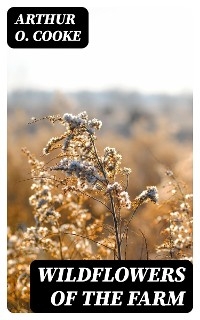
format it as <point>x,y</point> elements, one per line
<point>124,199</point>
<point>151,193</point>
<point>114,187</point>
<point>73,121</point>
<point>83,115</point>
<point>126,171</point>
<point>184,206</point>
<point>94,124</point>
<point>188,196</point>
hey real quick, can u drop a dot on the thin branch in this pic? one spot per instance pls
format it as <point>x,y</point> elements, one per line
<point>127,182</point>
<point>86,237</point>
<point>96,199</point>
<point>60,242</point>
<point>129,221</point>
<point>126,245</point>
<point>146,246</point>
<point>118,240</point>
<point>78,235</point>
<point>98,160</point>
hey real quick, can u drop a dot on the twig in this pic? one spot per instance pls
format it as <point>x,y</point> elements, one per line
<point>145,241</point>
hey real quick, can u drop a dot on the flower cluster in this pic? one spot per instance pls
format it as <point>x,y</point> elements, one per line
<point>42,200</point>
<point>75,121</point>
<point>49,234</point>
<point>111,161</point>
<point>18,269</point>
<point>81,121</point>
<point>179,239</point>
<point>38,239</point>
<point>78,132</point>
<point>82,170</point>
<point>178,230</point>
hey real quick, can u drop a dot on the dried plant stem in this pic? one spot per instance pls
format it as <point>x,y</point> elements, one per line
<point>117,235</point>
<point>115,221</point>
<point>60,241</point>
<point>129,221</point>
<point>146,246</point>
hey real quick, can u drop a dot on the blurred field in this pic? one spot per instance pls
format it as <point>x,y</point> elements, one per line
<point>152,135</point>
